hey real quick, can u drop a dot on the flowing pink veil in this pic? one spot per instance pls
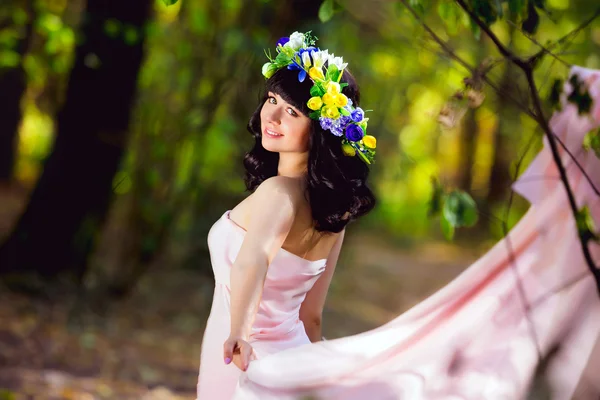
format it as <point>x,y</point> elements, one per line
<point>484,335</point>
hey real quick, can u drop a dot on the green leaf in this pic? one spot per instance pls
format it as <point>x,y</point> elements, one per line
<point>460,209</point>
<point>332,72</point>
<point>531,24</point>
<point>316,91</point>
<point>585,224</point>
<point>499,9</point>
<point>326,11</point>
<point>314,115</point>
<point>447,228</point>
<point>516,6</point>
<point>580,96</point>
<point>555,93</point>
<point>345,112</point>
<point>169,2</point>
<point>592,141</point>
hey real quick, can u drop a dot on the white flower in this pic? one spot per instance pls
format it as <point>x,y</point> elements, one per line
<point>319,58</point>
<point>296,40</point>
<point>306,59</point>
<point>338,61</point>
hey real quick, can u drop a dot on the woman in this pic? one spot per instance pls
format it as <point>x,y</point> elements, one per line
<point>531,298</point>
<point>275,253</point>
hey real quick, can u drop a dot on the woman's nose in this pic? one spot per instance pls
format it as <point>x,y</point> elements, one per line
<point>274,115</point>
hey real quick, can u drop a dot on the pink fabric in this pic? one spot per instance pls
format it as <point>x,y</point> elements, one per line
<point>480,337</point>
<point>276,326</point>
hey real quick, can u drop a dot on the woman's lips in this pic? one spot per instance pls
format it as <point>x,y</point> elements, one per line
<point>272,134</point>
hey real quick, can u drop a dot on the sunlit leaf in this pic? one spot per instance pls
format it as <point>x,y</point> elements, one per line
<point>591,141</point>
<point>447,228</point>
<point>169,2</point>
<point>326,11</point>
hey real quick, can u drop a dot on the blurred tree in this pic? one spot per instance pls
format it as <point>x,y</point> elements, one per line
<point>56,231</point>
<point>215,73</point>
<point>20,21</point>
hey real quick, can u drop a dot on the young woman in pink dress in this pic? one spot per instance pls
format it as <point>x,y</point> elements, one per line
<point>531,298</point>
<point>275,253</point>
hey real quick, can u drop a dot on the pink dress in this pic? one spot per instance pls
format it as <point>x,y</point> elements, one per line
<point>481,337</point>
<point>276,326</point>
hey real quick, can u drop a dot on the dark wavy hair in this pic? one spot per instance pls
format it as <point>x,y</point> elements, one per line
<point>336,184</point>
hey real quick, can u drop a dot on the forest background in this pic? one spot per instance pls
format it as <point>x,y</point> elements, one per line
<point>122,130</point>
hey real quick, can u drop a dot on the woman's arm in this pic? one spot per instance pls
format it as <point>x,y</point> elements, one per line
<point>273,211</point>
<point>311,311</point>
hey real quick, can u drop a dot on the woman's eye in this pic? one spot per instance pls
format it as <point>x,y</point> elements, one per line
<point>272,100</point>
<point>292,112</point>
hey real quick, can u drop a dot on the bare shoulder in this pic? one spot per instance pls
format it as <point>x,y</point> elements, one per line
<point>280,188</point>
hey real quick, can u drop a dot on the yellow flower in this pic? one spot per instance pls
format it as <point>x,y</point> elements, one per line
<point>348,150</point>
<point>316,73</point>
<point>330,112</point>
<point>333,87</point>
<point>340,100</point>
<point>315,103</point>
<point>370,141</point>
<point>328,99</point>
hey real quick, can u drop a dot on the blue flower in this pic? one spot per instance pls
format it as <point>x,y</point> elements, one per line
<point>357,115</point>
<point>282,41</point>
<point>354,133</point>
<point>301,74</point>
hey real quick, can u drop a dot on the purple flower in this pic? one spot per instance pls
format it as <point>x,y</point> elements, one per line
<point>344,120</point>
<point>282,41</point>
<point>337,131</point>
<point>326,123</point>
<point>354,133</point>
<point>357,115</point>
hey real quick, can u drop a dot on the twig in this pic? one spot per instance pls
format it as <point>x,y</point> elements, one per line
<point>562,171</point>
<point>462,62</point>
<point>527,68</point>
<point>484,27</point>
<point>533,59</point>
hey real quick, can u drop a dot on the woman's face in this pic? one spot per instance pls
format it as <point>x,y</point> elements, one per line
<point>284,128</point>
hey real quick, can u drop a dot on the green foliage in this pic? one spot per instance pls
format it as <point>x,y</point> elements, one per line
<point>457,209</point>
<point>326,10</point>
<point>555,92</point>
<point>585,224</point>
<point>170,2</point>
<point>591,141</point>
<point>580,96</point>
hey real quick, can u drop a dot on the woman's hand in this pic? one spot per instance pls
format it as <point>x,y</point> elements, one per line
<point>239,351</point>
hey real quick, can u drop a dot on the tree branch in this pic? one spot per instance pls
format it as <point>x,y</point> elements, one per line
<point>533,59</point>
<point>537,114</point>
<point>450,52</point>
<point>485,28</point>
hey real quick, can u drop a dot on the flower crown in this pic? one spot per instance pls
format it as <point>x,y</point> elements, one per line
<point>330,106</point>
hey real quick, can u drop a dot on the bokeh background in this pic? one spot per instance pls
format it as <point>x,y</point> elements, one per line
<point>122,130</point>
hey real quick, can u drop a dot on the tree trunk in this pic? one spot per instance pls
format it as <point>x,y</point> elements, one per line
<point>12,86</point>
<point>467,150</point>
<point>55,233</point>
